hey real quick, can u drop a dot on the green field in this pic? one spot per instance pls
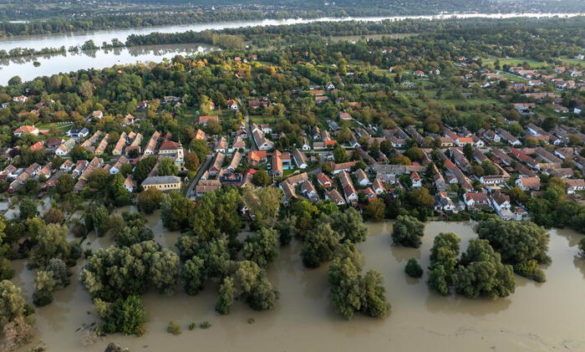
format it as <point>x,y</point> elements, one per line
<point>516,62</point>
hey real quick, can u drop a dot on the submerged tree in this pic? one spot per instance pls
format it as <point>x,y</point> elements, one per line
<point>408,231</point>
<point>352,293</point>
<point>521,244</point>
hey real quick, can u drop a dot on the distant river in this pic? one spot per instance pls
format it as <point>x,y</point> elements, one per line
<point>56,64</point>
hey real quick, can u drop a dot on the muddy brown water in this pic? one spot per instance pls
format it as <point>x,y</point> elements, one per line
<point>537,317</point>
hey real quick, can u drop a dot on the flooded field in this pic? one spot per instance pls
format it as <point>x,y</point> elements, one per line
<point>537,317</point>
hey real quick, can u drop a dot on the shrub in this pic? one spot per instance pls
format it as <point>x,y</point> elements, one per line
<point>413,268</point>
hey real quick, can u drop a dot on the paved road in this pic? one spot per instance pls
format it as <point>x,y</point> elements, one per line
<point>202,169</point>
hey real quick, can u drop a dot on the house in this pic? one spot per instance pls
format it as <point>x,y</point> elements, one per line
<point>324,181</point>
<point>416,180</point>
<point>289,192</point>
<point>80,166</point>
<point>256,157</point>
<point>528,183</point>
<point>36,146</point>
<point>205,120</point>
<point>476,200</point>
<point>20,99</point>
<point>535,130</point>
<point>344,116</point>
<point>261,141</point>
<point>362,178</point>
<point>217,164</point>
<point>152,143</point>
<point>232,104</point>
<point>309,191</point>
<point>119,148</point>
<point>349,191</point>
<point>162,183</point>
<point>130,184</point>
<point>98,114</point>
<point>235,162</point>
<point>574,185</point>
<point>101,148</point>
<point>501,203</point>
<point>306,146</point>
<point>26,130</point>
<point>173,150</point>
<point>378,186</point>
<point>335,197</point>
<point>65,147</point>
<point>77,133</point>
<point>300,159</point>
<point>508,137</point>
<point>206,186</point>
<point>343,167</point>
<point>297,179</point>
<point>463,141</point>
<point>524,108</point>
<point>200,135</point>
<point>115,169</point>
<point>444,203</point>
<point>53,143</point>
<point>239,144</point>
<point>276,163</point>
<point>67,166</point>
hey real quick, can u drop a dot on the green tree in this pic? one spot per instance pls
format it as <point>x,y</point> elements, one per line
<point>27,209</point>
<point>167,167</point>
<point>518,242</point>
<point>350,225</point>
<point>176,210</point>
<point>12,304</point>
<point>340,154</point>
<point>376,209</point>
<point>413,268</point>
<point>375,304</point>
<point>226,296</point>
<point>52,243</point>
<point>468,151</point>
<point>192,161</point>
<point>482,274</point>
<point>408,231</point>
<point>194,275</point>
<point>261,178</point>
<point>262,248</point>
<point>125,315</point>
<point>45,287</point>
<point>150,200</point>
<point>263,203</point>
<point>319,245</point>
<point>200,148</point>
<point>65,184</point>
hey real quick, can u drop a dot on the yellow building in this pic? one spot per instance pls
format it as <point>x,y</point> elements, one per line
<point>162,183</point>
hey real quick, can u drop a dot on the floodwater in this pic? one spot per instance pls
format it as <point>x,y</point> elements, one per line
<point>57,63</point>
<point>537,317</point>
<point>68,62</point>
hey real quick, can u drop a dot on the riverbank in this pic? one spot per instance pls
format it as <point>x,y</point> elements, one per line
<point>537,317</point>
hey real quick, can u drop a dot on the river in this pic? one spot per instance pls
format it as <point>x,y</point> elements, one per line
<point>537,317</point>
<point>59,63</point>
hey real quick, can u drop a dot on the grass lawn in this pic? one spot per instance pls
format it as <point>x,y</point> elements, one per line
<point>516,62</point>
<point>62,126</point>
<point>573,62</point>
<point>513,78</point>
<point>262,119</point>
